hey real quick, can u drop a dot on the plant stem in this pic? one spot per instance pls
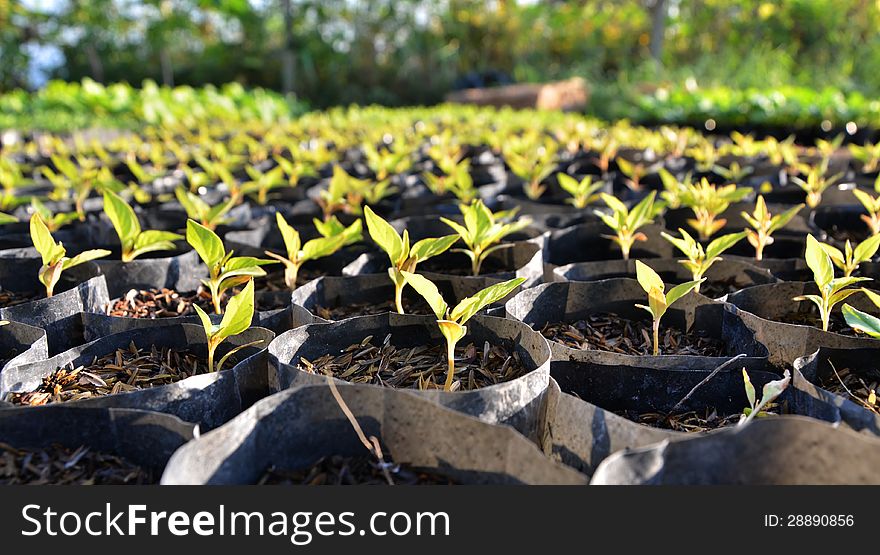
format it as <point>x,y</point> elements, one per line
<point>291,273</point>
<point>656,329</point>
<point>211,349</point>
<point>759,250</point>
<point>450,361</point>
<point>476,262</point>
<point>398,297</point>
<point>215,299</point>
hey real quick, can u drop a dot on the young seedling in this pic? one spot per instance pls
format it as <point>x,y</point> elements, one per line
<point>199,210</point>
<point>583,192</point>
<point>533,165</point>
<point>134,241</point>
<point>872,205</point>
<point>299,253</point>
<point>224,270</point>
<point>868,155</point>
<point>456,180</point>
<point>673,189</point>
<point>816,183</point>
<point>770,392</point>
<point>452,322</point>
<point>733,173</point>
<point>658,300</point>
<point>850,258</point>
<point>708,202</point>
<point>481,232</point>
<point>403,257</point>
<point>386,162</point>
<point>862,321</point>
<point>634,173</point>
<point>262,183</point>
<point>54,254</point>
<point>53,221</point>
<point>764,225</point>
<point>699,260</point>
<point>625,222</point>
<point>831,290</point>
<point>333,227</point>
<point>239,313</point>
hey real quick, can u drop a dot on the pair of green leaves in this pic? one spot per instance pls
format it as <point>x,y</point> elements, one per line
<point>135,242</point>
<point>583,192</point>
<point>54,255</point>
<point>816,182</point>
<point>199,210</point>
<point>659,300</point>
<point>862,321</point>
<point>699,260</point>
<point>764,225</point>
<point>452,322</point>
<point>769,393</point>
<point>481,232</point>
<point>625,222</point>
<point>708,201</point>
<point>831,290</point>
<point>849,259</point>
<point>236,320</point>
<point>403,257</point>
<point>225,271</point>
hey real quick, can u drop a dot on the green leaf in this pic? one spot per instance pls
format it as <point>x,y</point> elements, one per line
<point>210,328</point>
<point>7,219</point>
<point>681,290</point>
<point>772,390</point>
<point>866,249</point>
<point>779,221</point>
<point>152,237</point>
<point>85,256</point>
<point>239,313</point>
<point>469,306</point>
<point>429,248</point>
<point>861,321</point>
<point>385,236</point>
<point>819,262</point>
<point>872,296</point>
<point>206,243</point>
<point>429,291</point>
<point>750,389</point>
<point>49,250</point>
<point>648,278</point>
<point>721,244</point>
<point>290,237</point>
<point>123,218</point>
<point>321,247</point>
<point>641,213</point>
<point>460,229</point>
<point>195,207</point>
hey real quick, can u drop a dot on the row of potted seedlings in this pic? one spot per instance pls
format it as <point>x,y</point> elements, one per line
<point>442,330</point>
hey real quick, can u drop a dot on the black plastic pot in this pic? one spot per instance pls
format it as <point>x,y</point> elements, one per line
<point>206,399</point>
<point>572,301</point>
<point>725,276</point>
<point>762,306</point>
<point>584,243</point>
<point>822,367</point>
<point>842,222</point>
<point>294,429</point>
<point>786,450</point>
<point>20,344</point>
<point>147,439</point>
<point>516,402</point>
<point>178,271</point>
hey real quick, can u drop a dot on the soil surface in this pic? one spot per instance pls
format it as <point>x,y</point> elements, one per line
<point>361,470</point>
<point>836,323</point>
<point>62,466</point>
<point>611,333</point>
<point>10,298</point>
<point>414,306</point>
<point>422,367</point>
<point>859,386</point>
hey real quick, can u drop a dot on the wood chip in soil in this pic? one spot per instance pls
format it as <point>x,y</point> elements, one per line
<point>57,465</point>
<point>159,303</point>
<point>122,371</point>
<point>421,367</point>
<point>612,333</point>
<point>858,386</point>
<point>360,470</point>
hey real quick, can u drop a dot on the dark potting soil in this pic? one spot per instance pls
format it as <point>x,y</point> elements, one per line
<point>57,465</point>
<point>690,421</point>
<point>458,264</point>
<point>422,367</point>
<point>836,323</point>
<point>349,471</point>
<point>275,281</point>
<point>11,298</point>
<point>122,371</point>
<point>611,333</point>
<point>159,303</point>
<point>716,289</point>
<point>416,306</point>
<point>860,386</point>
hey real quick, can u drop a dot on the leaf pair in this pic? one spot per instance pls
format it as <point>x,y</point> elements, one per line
<point>481,232</point>
<point>625,222</point>
<point>54,255</point>
<point>658,300</point>
<point>583,192</point>
<point>764,225</point>
<point>236,320</point>
<point>771,391</point>
<point>199,210</point>
<point>135,242</point>
<point>699,261</point>
<point>849,259</point>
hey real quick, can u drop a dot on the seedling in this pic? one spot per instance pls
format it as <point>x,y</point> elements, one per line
<point>224,270</point>
<point>673,188</point>
<point>699,260</point>
<point>294,170</point>
<point>533,165</point>
<point>634,173</point>
<point>658,300</point>
<point>199,210</point>
<point>816,183</point>
<point>770,392</point>
<point>403,257</point>
<point>452,322</point>
<point>299,253</point>
<point>457,181</point>
<point>733,173</point>
<point>625,222</point>
<point>333,227</point>
<point>196,179</point>
<point>872,205</point>
<point>386,162</point>
<point>708,202</point>
<point>764,225</point>
<point>583,192</point>
<point>831,290</point>
<point>868,155</point>
<point>850,258</point>
<point>239,313</point>
<point>262,183</point>
<point>54,254</point>
<point>481,232</point>
<point>134,241</point>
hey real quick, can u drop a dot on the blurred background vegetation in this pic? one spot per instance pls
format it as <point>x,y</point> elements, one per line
<point>405,52</point>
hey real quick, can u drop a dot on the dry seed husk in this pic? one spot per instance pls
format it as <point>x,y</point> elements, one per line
<point>62,466</point>
<point>421,367</point>
<point>159,303</point>
<point>360,470</point>
<point>612,333</point>
<point>122,371</point>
